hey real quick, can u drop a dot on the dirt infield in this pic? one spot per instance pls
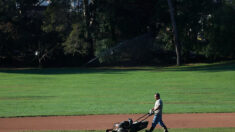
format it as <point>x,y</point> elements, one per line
<point>102,122</point>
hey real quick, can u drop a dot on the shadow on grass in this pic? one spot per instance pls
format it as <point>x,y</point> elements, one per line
<point>70,71</point>
<point>217,67</point>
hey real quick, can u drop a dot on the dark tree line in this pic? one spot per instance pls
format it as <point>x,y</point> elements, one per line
<point>118,32</point>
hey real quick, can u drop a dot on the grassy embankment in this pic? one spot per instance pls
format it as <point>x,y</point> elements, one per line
<point>196,88</point>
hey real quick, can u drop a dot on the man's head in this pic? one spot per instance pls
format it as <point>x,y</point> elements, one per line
<point>157,96</point>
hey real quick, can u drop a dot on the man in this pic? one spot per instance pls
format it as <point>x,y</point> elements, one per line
<point>157,109</point>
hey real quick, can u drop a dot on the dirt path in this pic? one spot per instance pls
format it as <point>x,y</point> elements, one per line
<point>102,122</point>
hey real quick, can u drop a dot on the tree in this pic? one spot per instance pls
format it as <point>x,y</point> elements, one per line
<point>8,28</point>
<point>80,40</point>
<point>192,20</point>
<point>76,42</point>
<point>121,20</point>
<point>88,14</point>
<point>176,38</point>
<point>219,33</point>
<point>56,27</point>
<point>82,29</point>
<point>23,21</point>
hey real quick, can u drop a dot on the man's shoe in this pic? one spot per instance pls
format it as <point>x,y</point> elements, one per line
<point>165,130</point>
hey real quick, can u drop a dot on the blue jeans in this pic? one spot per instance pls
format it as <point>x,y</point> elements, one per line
<point>158,119</point>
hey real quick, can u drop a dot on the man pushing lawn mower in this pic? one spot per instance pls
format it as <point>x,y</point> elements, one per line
<point>140,123</point>
<point>157,109</point>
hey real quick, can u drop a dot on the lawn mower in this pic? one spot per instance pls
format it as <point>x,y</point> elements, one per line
<point>130,126</point>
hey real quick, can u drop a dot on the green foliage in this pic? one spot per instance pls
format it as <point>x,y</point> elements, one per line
<point>19,30</point>
<point>221,43</point>
<point>191,19</point>
<point>76,41</point>
<point>56,17</point>
<point>103,50</point>
<point>8,28</point>
<point>83,29</point>
<point>163,40</point>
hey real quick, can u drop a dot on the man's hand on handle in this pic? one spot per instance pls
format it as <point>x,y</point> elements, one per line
<point>151,112</point>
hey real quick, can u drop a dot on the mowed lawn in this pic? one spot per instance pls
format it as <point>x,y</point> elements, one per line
<point>197,88</point>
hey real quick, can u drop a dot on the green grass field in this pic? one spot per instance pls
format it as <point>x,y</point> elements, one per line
<point>197,88</point>
<point>171,130</point>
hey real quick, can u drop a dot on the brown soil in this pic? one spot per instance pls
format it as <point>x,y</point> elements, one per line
<point>102,122</point>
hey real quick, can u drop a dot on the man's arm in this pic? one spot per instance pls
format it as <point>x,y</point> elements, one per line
<point>156,106</point>
<point>154,109</point>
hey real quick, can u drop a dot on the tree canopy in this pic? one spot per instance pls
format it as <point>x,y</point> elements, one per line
<point>117,32</point>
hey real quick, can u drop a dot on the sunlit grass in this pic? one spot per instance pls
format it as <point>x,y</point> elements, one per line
<point>79,91</point>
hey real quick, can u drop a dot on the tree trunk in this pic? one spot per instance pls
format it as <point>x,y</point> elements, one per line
<point>176,39</point>
<point>87,17</point>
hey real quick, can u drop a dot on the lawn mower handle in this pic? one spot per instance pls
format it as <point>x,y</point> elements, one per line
<point>145,115</point>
